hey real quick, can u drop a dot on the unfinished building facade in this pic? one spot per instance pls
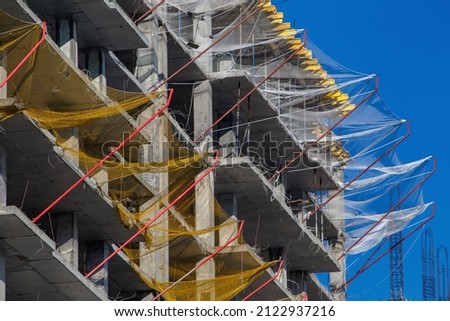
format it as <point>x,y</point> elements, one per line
<point>187,150</point>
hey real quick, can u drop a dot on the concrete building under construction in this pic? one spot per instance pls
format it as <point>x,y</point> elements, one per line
<point>188,150</point>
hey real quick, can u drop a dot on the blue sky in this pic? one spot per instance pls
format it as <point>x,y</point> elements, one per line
<point>407,43</point>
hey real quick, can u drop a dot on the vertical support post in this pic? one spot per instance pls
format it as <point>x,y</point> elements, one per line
<point>204,219</point>
<point>3,74</point>
<point>337,250</point>
<point>3,182</point>
<point>2,276</point>
<point>66,37</point>
<point>3,186</point>
<point>67,237</point>
<point>202,38</point>
<point>206,290</point>
<point>147,63</point>
<point>154,260</point>
<point>203,112</point>
<point>151,68</point>
<point>204,209</point>
<point>96,253</point>
<point>3,94</point>
<point>67,40</point>
<point>96,64</point>
<point>152,65</point>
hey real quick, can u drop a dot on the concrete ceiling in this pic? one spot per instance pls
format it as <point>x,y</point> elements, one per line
<point>100,23</point>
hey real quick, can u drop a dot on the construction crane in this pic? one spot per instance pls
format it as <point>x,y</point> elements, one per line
<point>443,274</point>
<point>396,261</point>
<point>428,267</point>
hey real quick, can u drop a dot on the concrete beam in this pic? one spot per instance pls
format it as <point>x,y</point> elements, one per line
<point>96,253</point>
<point>67,237</point>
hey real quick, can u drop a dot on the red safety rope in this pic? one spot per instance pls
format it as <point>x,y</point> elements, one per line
<point>262,286</point>
<point>149,12</point>
<point>100,163</point>
<point>22,62</point>
<point>203,262</point>
<point>161,213</point>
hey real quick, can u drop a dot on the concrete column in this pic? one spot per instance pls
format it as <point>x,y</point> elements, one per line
<point>203,109</point>
<point>151,65</point>
<point>147,58</point>
<point>207,290</point>
<point>338,279</point>
<point>201,34</point>
<point>3,74</point>
<point>3,186</point>
<point>227,231</point>
<point>67,40</point>
<point>204,209</point>
<point>2,276</point>
<point>67,237</point>
<point>96,253</point>
<point>204,219</point>
<point>154,260</point>
<point>3,94</point>
<point>66,37</point>
<point>96,65</point>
